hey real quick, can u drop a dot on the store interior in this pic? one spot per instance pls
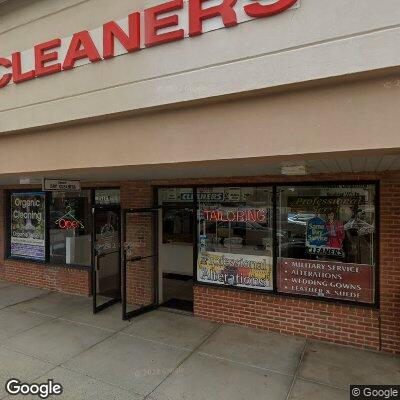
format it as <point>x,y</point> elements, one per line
<point>176,249</point>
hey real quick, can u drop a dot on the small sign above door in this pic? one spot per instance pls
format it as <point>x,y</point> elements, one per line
<point>55,185</point>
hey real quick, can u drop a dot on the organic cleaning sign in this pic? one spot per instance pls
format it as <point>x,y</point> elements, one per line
<point>28,222</point>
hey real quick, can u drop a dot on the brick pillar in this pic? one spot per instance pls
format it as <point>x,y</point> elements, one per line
<point>390,266</point>
<point>2,234</point>
<point>140,274</point>
<point>136,195</point>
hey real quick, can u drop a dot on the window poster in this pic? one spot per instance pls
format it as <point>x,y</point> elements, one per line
<point>326,246</point>
<point>329,221</point>
<point>325,237</point>
<point>28,226</point>
<point>235,237</point>
<point>240,270</point>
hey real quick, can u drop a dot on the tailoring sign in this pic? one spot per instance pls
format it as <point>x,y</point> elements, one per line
<point>235,215</point>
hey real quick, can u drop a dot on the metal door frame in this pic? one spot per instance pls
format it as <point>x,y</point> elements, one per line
<point>154,305</point>
<point>96,257</point>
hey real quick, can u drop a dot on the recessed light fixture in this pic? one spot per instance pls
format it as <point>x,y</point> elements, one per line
<point>294,170</point>
<point>30,181</point>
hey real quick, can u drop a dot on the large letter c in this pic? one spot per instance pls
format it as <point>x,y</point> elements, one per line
<point>5,80</point>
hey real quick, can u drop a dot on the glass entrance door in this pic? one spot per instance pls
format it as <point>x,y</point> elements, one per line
<point>140,261</point>
<point>107,258</point>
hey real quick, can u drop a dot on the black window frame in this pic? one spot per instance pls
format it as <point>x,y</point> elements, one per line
<point>376,266</point>
<point>48,194</point>
<point>274,186</point>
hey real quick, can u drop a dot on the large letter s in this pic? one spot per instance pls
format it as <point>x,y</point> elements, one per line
<point>258,10</point>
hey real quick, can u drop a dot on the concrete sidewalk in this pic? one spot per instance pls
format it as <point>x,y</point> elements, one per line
<point>169,356</point>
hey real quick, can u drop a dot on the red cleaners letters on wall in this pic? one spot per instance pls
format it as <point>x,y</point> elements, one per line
<point>57,54</point>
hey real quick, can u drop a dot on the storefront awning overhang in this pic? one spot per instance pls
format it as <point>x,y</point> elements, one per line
<point>371,162</point>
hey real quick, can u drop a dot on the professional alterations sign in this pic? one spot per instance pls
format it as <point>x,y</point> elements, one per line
<point>241,270</point>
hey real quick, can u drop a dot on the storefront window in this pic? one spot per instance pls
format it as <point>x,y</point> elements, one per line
<point>175,196</point>
<point>235,237</point>
<point>177,226</point>
<point>70,228</point>
<point>177,215</point>
<point>28,226</point>
<point>326,241</point>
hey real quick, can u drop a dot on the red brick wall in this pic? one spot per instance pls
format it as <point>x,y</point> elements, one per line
<point>313,319</point>
<point>390,265</point>
<point>62,279</point>
<point>140,274</point>
<point>136,195</point>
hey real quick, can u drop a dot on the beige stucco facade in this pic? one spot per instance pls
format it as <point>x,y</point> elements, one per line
<point>299,46</point>
<point>304,123</point>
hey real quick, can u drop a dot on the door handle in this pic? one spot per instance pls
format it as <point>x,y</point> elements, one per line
<point>96,264</point>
